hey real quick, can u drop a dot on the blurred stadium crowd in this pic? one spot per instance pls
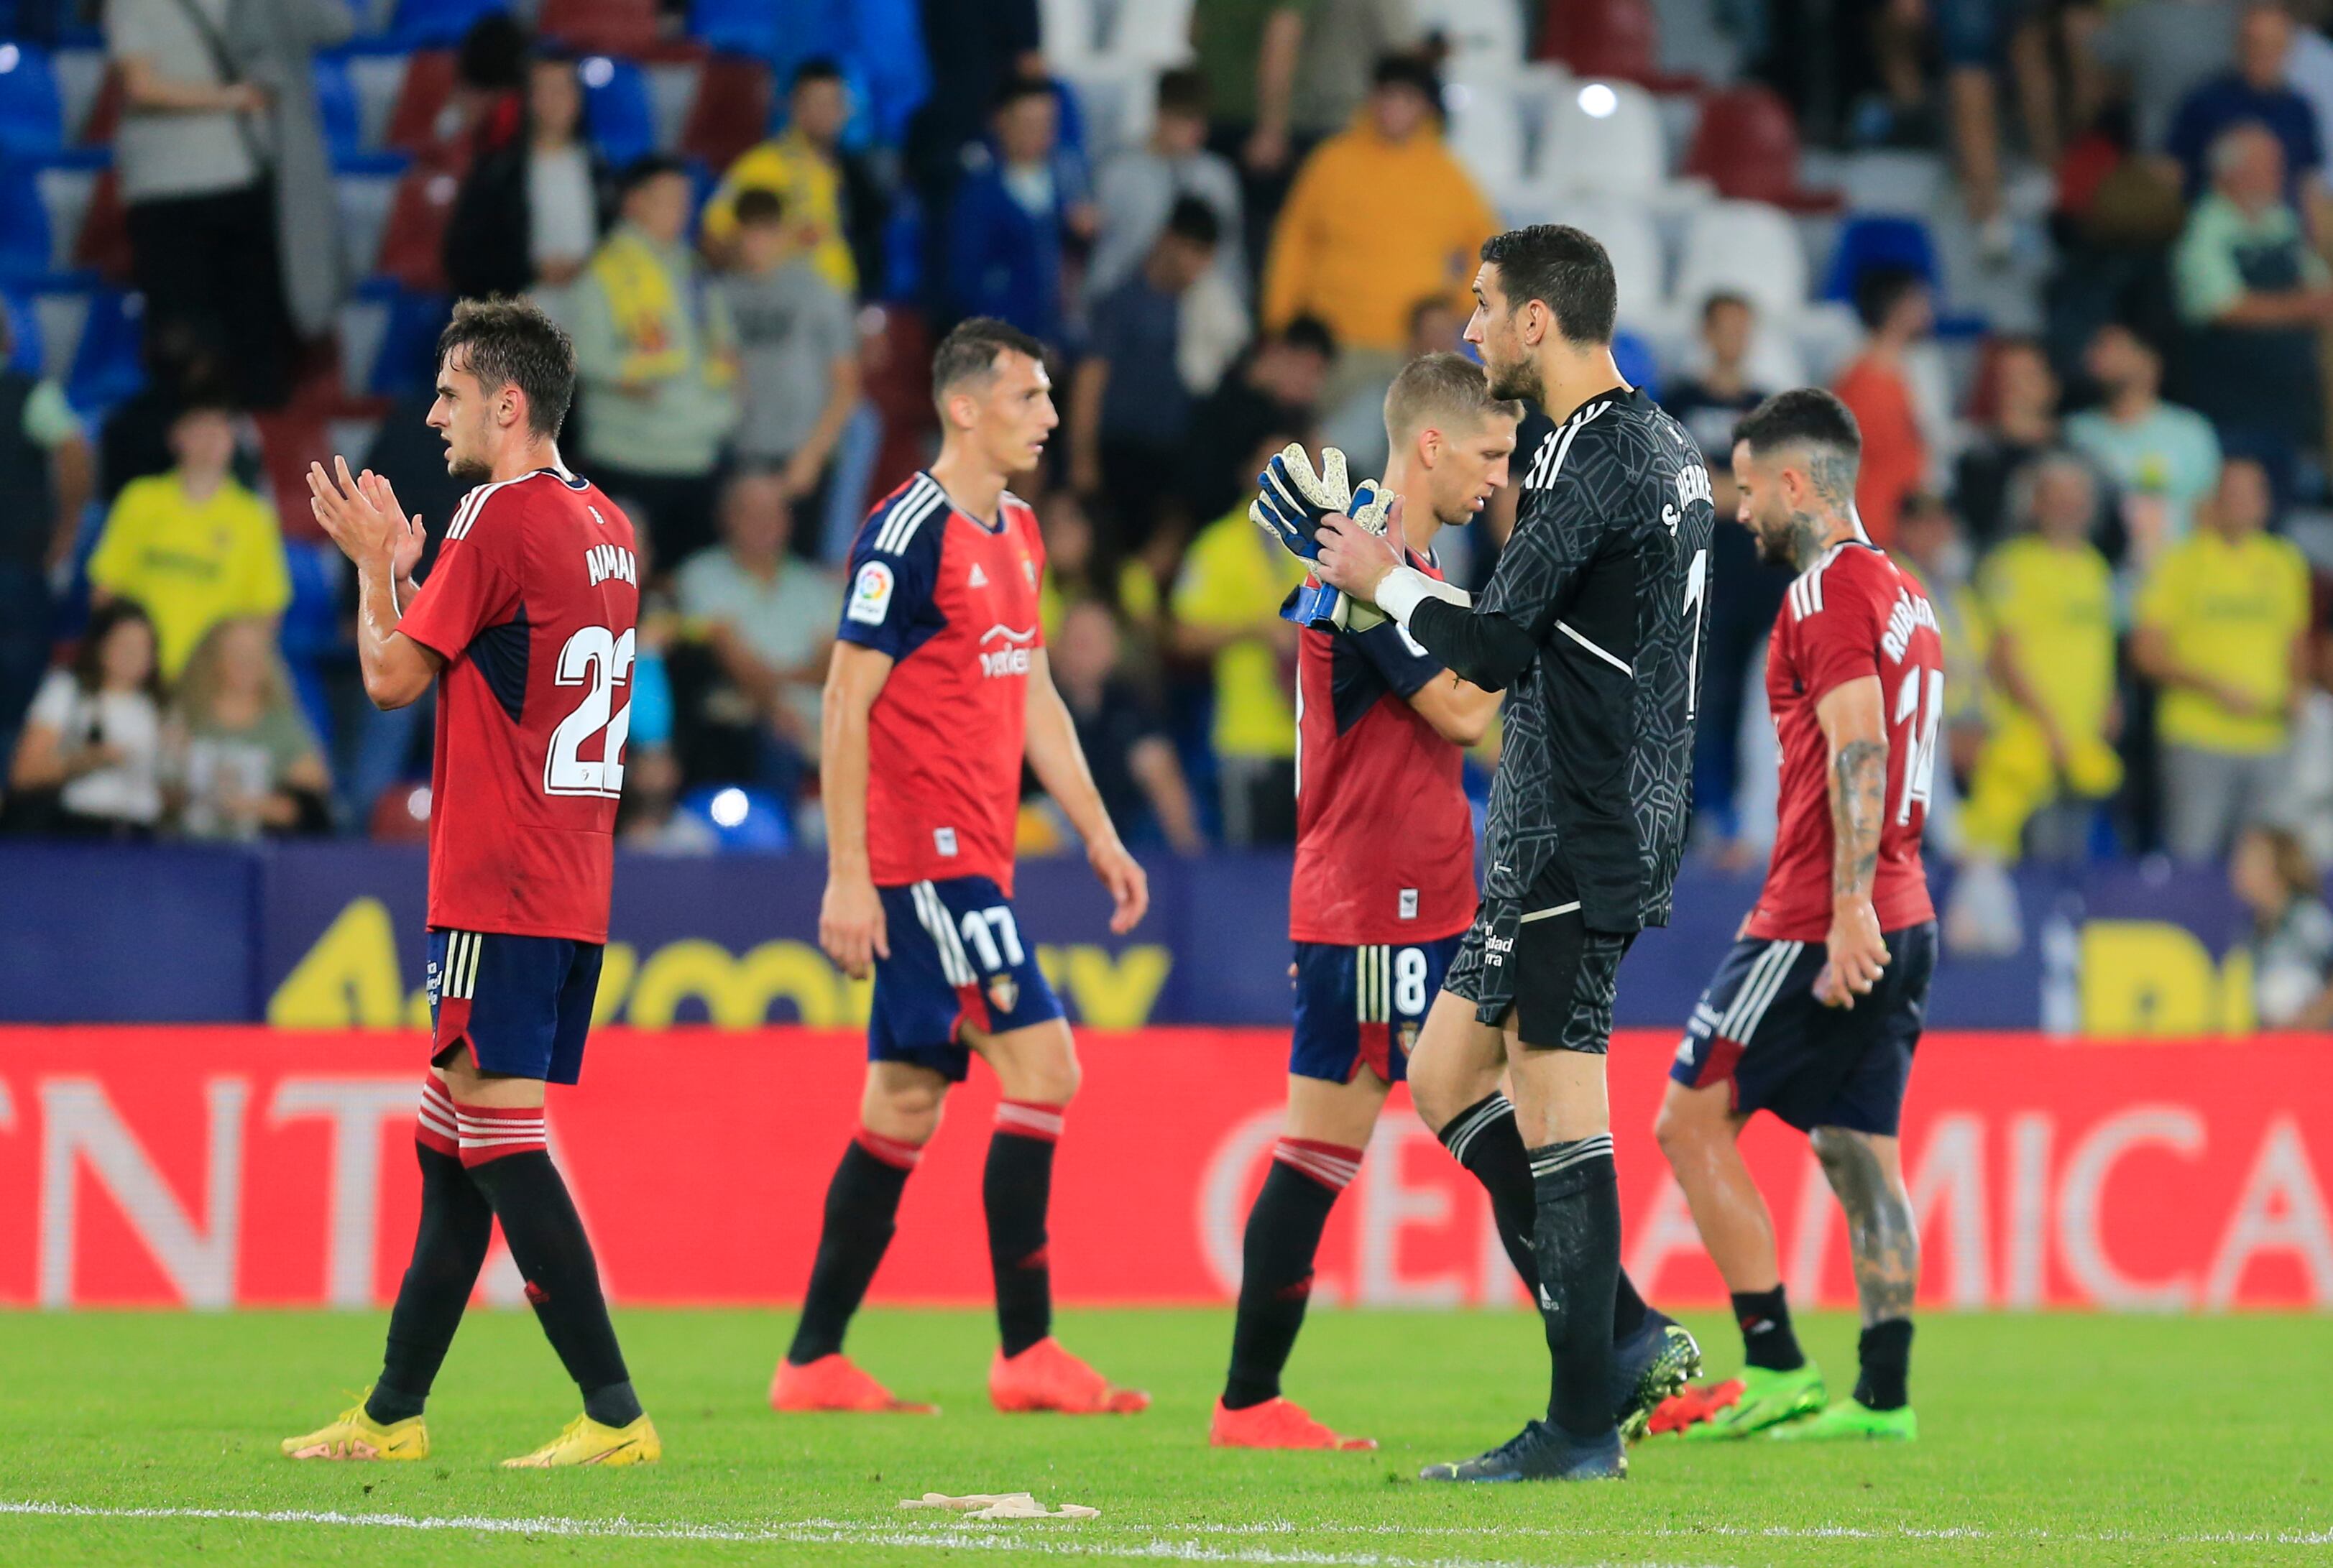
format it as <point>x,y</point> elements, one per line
<point>2066,262</point>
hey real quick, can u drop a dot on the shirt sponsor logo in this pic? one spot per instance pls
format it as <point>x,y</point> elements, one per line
<point>871,594</point>
<point>1006,652</point>
<point>944,840</point>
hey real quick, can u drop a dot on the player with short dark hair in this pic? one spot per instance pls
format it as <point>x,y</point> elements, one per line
<point>938,690</point>
<point>1815,1013</point>
<point>525,626</point>
<point>1381,732</point>
<point>1593,622</point>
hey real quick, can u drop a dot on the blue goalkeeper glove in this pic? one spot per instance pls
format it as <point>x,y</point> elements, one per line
<point>1292,499</point>
<point>1326,609</point>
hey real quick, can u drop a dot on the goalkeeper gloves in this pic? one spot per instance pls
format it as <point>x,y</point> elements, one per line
<point>1290,502</point>
<point>1324,608</point>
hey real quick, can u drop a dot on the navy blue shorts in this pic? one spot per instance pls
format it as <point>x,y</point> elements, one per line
<point>1364,1004</point>
<point>956,958</point>
<point>1759,1028</point>
<point>522,1004</point>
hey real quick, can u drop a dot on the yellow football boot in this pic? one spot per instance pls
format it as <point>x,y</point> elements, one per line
<point>585,1442</point>
<point>354,1434</point>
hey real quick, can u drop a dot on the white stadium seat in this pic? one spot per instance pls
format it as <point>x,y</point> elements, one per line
<point>1745,248</point>
<point>1484,29</point>
<point>1640,264</point>
<point>1603,138</point>
<point>1486,132</point>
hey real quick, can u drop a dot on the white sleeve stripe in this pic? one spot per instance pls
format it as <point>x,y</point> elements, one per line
<point>1554,461</point>
<point>1617,662</point>
<point>908,516</point>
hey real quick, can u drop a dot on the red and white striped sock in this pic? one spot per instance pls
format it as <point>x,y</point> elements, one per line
<point>435,1127</point>
<point>1030,1119</point>
<point>1333,1165</point>
<point>893,1151</point>
<point>493,1131</point>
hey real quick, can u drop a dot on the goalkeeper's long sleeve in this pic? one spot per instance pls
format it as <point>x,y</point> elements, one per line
<point>1482,646</point>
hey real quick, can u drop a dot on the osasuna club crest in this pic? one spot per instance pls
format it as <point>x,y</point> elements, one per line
<point>1003,990</point>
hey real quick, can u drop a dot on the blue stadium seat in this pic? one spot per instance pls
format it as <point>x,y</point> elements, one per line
<point>26,346</point>
<point>109,367</point>
<point>31,109</point>
<point>1872,241</point>
<point>617,109</point>
<point>742,818</point>
<point>26,249</point>
<point>439,23</point>
<point>738,26</point>
<point>342,109</point>
<point>1634,356</point>
<point>408,341</point>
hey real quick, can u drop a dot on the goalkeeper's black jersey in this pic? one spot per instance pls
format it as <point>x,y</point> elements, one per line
<point>1596,617</point>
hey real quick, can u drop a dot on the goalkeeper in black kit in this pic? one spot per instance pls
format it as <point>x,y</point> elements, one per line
<point>1593,625</point>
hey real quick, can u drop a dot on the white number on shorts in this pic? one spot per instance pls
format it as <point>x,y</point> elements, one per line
<point>1409,981</point>
<point>597,660</point>
<point>1920,767</point>
<point>994,933</point>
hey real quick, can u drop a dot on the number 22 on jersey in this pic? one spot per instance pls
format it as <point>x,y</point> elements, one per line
<point>597,660</point>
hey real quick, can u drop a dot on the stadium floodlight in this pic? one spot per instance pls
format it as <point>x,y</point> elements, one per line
<point>1597,100</point>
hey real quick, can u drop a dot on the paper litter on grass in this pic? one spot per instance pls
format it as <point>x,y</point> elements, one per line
<point>1000,1506</point>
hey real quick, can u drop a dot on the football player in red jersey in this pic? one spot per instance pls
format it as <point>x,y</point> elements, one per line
<point>938,690</point>
<point>1381,729</point>
<point>1815,1013</point>
<point>526,626</point>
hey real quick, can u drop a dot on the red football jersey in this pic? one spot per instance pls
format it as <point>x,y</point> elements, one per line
<point>1385,839</point>
<point>954,602</point>
<point>532,603</point>
<point>1851,614</point>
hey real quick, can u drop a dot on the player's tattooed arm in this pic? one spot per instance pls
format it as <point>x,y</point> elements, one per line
<point>1855,729</point>
<point>1883,1236</point>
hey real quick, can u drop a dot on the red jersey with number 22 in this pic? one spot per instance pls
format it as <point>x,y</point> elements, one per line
<point>953,600</point>
<point>532,604</point>
<point>1849,615</point>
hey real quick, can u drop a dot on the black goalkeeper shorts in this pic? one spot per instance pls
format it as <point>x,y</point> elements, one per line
<point>1546,966</point>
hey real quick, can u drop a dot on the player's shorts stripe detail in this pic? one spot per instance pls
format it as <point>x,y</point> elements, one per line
<point>1029,1119</point>
<point>1460,1138</point>
<point>1548,913</point>
<point>923,499</point>
<point>1333,1165</point>
<point>1758,992</point>
<point>1373,984</point>
<point>1571,1154</point>
<point>1614,661</point>
<point>953,965</point>
<point>474,948</point>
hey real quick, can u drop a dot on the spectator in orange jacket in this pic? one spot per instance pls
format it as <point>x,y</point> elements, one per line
<point>1878,387</point>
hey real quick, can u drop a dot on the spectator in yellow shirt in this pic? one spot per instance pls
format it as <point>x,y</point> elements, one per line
<point>1226,609</point>
<point>1382,215</point>
<point>831,194</point>
<point>2223,630</point>
<point>2048,595</point>
<point>193,546</point>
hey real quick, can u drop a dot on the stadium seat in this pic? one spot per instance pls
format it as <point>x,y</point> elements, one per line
<point>342,112</point>
<point>625,27</point>
<point>412,249</point>
<point>1609,38</point>
<point>421,99</point>
<point>617,109</point>
<point>1072,35</point>
<point>32,110</point>
<point>1151,34</point>
<point>742,818</point>
<point>1486,133</point>
<point>103,243</point>
<point>1637,363</point>
<point>1603,138</point>
<point>290,439</point>
<point>439,23</point>
<point>1876,240</point>
<point>729,110</point>
<point>25,239</point>
<point>1745,248</point>
<point>1488,32</point>
<point>104,112</point>
<point>738,26</point>
<point>1747,145</point>
<point>110,364</point>
<point>1630,238</point>
<point>26,346</point>
<point>408,341</point>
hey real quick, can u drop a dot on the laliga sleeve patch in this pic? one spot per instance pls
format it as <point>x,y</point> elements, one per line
<point>871,594</point>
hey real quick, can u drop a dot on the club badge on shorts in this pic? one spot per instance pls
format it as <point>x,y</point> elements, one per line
<point>1003,990</point>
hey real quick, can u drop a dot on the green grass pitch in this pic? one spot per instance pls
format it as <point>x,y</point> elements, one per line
<point>2047,1438</point>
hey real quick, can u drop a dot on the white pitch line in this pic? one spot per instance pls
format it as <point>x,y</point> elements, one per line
<point>956,1538</point>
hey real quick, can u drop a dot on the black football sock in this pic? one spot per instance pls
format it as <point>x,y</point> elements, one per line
<point>1482,1138</point>
<point>1885,1352</point>
<point>1577,1246</point>
<point>862,1206</point>
<point>450,1247</point>
<point>505,1153</point>
<point>1016,1188</point>
<point>1283,1234</point>
<point>1767,1340</point>
<point>1628,1308</point>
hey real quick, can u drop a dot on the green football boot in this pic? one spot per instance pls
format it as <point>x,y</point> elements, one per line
<point>1851,1419</point>
<point>1768,1399</point>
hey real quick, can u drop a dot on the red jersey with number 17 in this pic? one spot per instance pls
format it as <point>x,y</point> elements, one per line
<point>1385,839</point>
<point>953,600</point>
<point>1851,614</point>
<point>531,603</point>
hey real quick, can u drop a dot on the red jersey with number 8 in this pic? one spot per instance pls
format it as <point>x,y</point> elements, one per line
<point>533,603</point>
<point>1849,615</point>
